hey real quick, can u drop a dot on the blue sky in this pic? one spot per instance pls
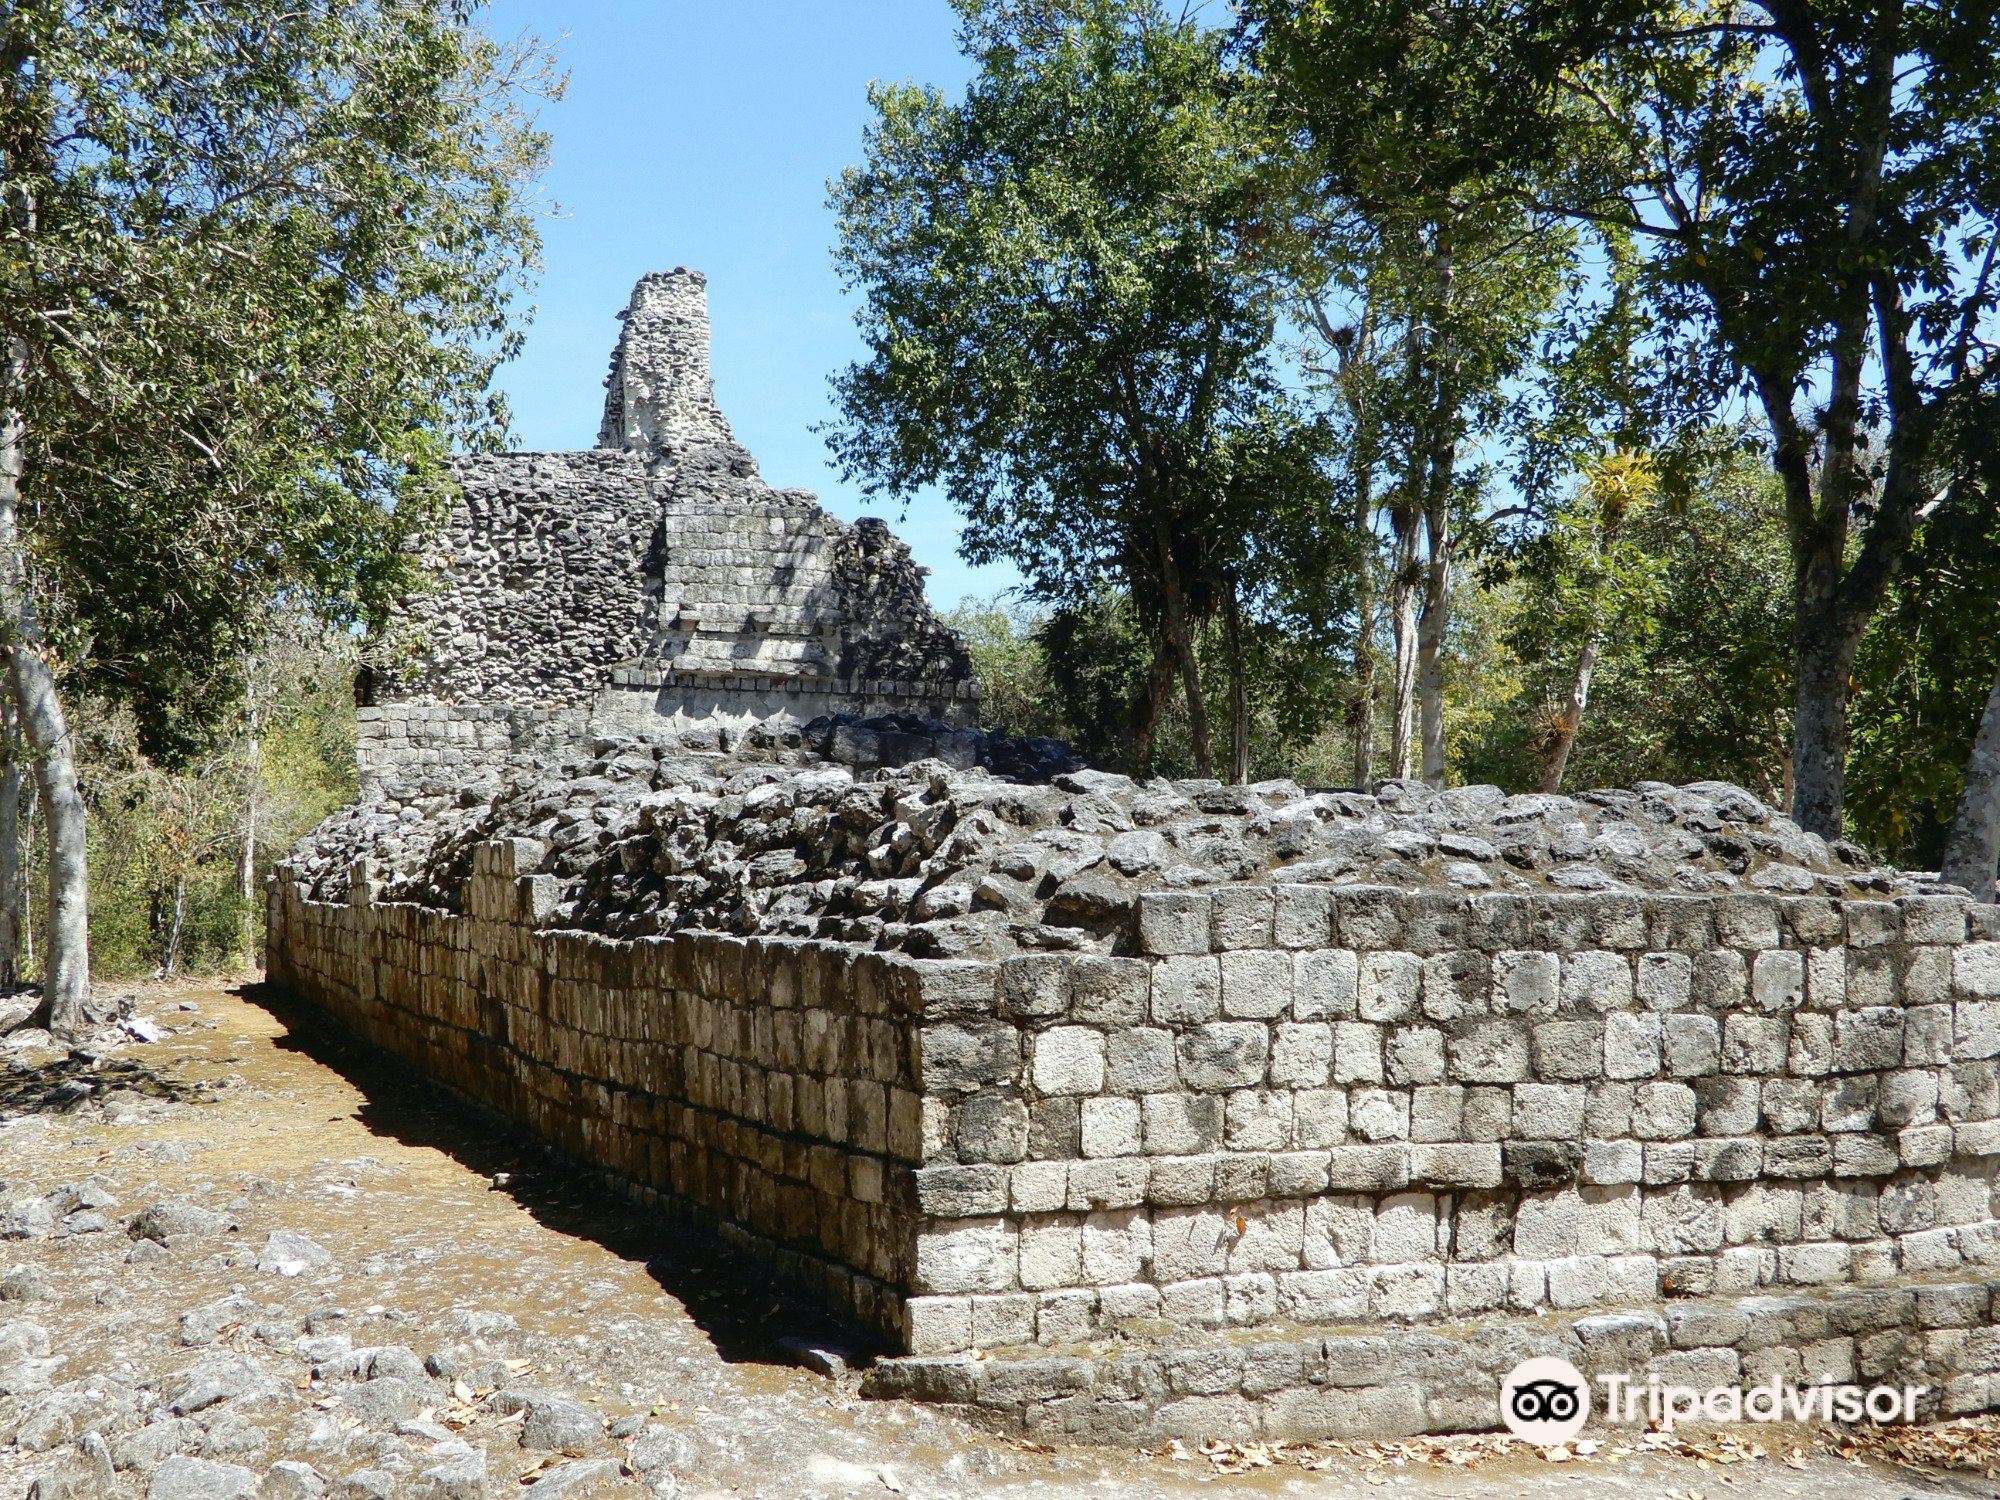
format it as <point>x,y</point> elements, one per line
<point>703,135</point>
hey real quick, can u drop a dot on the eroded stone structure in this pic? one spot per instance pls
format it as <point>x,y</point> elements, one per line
<point>1172,1109</point>
<point>1120,1109</point>
<point>653,583</point>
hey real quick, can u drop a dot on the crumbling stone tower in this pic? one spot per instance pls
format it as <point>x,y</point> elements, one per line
<point>653,584</point>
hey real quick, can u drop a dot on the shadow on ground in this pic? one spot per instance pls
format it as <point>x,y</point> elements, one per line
<point>80,1079</point>
<point>745,1317</point>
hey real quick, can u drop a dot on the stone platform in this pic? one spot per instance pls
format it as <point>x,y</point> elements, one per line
<point>1010,1070</point>
<point>1293,1382</point>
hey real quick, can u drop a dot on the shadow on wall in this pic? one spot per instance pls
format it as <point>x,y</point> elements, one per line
<point>744,1317</point>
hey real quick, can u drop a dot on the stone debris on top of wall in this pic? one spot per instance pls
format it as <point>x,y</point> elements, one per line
<point>948,862</point>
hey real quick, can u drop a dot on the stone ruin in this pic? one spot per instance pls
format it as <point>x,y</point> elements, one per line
<point>1129,1111</point>
<point>652,584</point>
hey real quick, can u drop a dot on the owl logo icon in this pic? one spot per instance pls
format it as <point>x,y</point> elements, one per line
<point>1544,1401</point>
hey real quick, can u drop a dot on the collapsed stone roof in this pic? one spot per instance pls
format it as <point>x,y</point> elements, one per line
<point>987,846</point>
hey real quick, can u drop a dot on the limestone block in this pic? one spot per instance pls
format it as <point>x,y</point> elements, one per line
<point>1325,984</point>
<point>1175,922</point>
<point>1319,1118</point>
<point>1242,917</point>
<point>1379,1114</point>
<point>1111,1127</point>
<point>1301,1055</point>
<point>1224,1055</point>
<point>1186,991</point>
<point>1257,1120</point>
<point>1181,1124</point>
<point>973,1255</point>
<point>1357,1053</point>
<point>1494,1051</point>
<point>1666,981</point>
<point>1594,980</point>
<point>1526,983</point>
<point>1632,1045</point>
<point>1069,1060</point>
<point>1140,1060</point>
<point>1256,984</point>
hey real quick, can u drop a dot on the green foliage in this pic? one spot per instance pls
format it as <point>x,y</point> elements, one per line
<point>1069,328</point>
<point>1695,679</point>
<point>1017,695</point>
<point>1921,680</point>
<point>168,839</point>
<point>260,260</point>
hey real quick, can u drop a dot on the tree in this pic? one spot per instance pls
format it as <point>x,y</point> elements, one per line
<point>257,272</point>
<point>1594,580</point>
<point>1814,187</point>
<point>1069,327</point>
<point>1692,675</point>
<point>1453,269</point>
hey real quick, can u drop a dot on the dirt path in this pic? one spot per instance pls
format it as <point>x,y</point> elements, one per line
<point>483,1323</point>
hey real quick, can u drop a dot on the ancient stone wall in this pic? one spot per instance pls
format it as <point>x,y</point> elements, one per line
<point>1296,1160</point>
<point>765,1091</point>
<point>1323,1106</point>
<point>648,586</point>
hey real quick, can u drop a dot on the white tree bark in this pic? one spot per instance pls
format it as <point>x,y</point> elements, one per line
<point>1403,619</point>
<point>10,855</point>
<point>1569,718</point>
<point>1974,849</point>
<point>66,956</point>
<point>1430,642</point>
<point>253,794</point>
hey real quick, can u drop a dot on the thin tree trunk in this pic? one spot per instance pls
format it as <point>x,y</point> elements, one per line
<point>1356,369</point>
<point>253,782</point>
<point>1569,718</point>
<point>1151,705</point>
<point>66,977</point>
<point>1430,644</point>
<point>1823,651</point>
<point>1403,620</point>
<point>176,925</point>
<point>1239,695</point>
<point>1974,850</point>
<point>27,928</point>
<point>1181,639</point>
<point>10,856</point>
<point>1362,719</point>
<point>1442,465</point>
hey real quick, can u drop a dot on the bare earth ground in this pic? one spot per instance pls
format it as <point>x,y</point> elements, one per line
<point>517,1313</point>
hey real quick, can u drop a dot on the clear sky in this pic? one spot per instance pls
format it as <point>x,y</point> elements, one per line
<point>703,134</point>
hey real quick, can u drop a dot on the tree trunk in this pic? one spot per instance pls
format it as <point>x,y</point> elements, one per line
<point>1403,617</point>
<point>1361,721</point>
<point>1180,638</point>
<point>10,856</point>
<point>1974,850</point>
<point>1569,718</point>
<point>66,962</point>
<point>253,785</point>
<point>1151,705</point>
<point>1442,478</point>
<point>1823,649</point>
<point>176,926</point>
<point>1239,694</point>
<point>1430,644</point>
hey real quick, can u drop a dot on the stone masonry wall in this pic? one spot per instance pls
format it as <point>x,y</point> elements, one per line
<point>764,1090</point>
<point>1312,1105</point>
<point>1712,1127</point>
